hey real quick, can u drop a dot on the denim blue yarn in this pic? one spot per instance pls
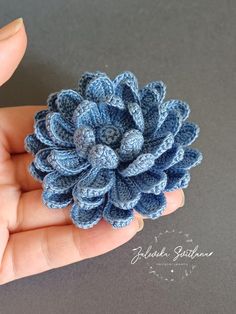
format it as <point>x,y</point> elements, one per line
<point>109,147</point>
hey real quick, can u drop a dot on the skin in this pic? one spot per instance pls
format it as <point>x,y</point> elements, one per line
<point>34,239</point>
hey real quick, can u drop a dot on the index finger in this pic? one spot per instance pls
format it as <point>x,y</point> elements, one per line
<point>16,124</point>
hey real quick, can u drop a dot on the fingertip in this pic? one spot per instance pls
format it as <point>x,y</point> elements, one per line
<point>140,223</point>
<point>175,200</point>
<point>11,28</point>
<point>13,42</point>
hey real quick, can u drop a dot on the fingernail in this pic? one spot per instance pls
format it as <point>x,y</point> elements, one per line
<point>140,223</point>
<point>183,199</point>
<point>11,29</point>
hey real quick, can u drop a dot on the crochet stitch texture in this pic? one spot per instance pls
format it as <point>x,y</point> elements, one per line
<point>109,147</point>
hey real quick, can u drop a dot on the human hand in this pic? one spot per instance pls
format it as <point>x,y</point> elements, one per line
<point>34,238</point>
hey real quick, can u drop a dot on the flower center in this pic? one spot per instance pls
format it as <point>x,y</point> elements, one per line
<point>109,135</point>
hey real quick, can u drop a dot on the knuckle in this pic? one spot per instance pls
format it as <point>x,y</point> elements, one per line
<point>76,240</point>
<point>45,249</point>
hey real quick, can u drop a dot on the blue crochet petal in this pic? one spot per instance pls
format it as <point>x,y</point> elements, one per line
<point>90,114</point>
<point>67,162</point>
<point>36,173</point>
<point>32,144</point>
<point>99,89</point>
<point>127,92</point>
<point>41,161</point>
<point>40,115</point>
<point>152,181</point>
<point>131,145</point>
<point>51,102</point>
<point>85,218</point>
<point>117,102</point>
<point>84,139</point>
<point>117,217</point>
<point>56,200</point>
<point>152,94</point>
<point>125,77</point>
<point>141,164</point>
<point>126,87</point>
<point>58,183</point>
<point>151,206</point>
<point>154,116</point>
<point>86,78</point>
<point>192,158</point>
<point>137,115</point>
<point>124,194</point>
<point>67,101</point>
<point>121,119</point>
<point>42,134</point>
<point>90,203</point>
<point>187,134</point>
<point>170,157</point>
<point>59,130</point>
<point>94,183</point>
<point>86,203</point>
<point>105,112</point>
<point>85,114</point>
<point>172,123</point>
<point>177,179</point>
<point>158,145</point>
<point>102,156</point>
<point>179,105</point>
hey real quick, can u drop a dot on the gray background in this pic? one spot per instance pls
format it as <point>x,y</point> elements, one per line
<point>191,45</point>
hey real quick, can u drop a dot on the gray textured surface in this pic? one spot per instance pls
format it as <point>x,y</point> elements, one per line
<point>191,45</point>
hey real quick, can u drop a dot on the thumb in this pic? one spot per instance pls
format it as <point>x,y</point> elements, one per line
<point>13,42</point>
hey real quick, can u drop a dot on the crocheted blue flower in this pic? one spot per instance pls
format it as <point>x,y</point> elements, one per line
<point>109,148</point>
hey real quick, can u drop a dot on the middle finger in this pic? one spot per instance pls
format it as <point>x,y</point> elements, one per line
<point>33,214</point>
